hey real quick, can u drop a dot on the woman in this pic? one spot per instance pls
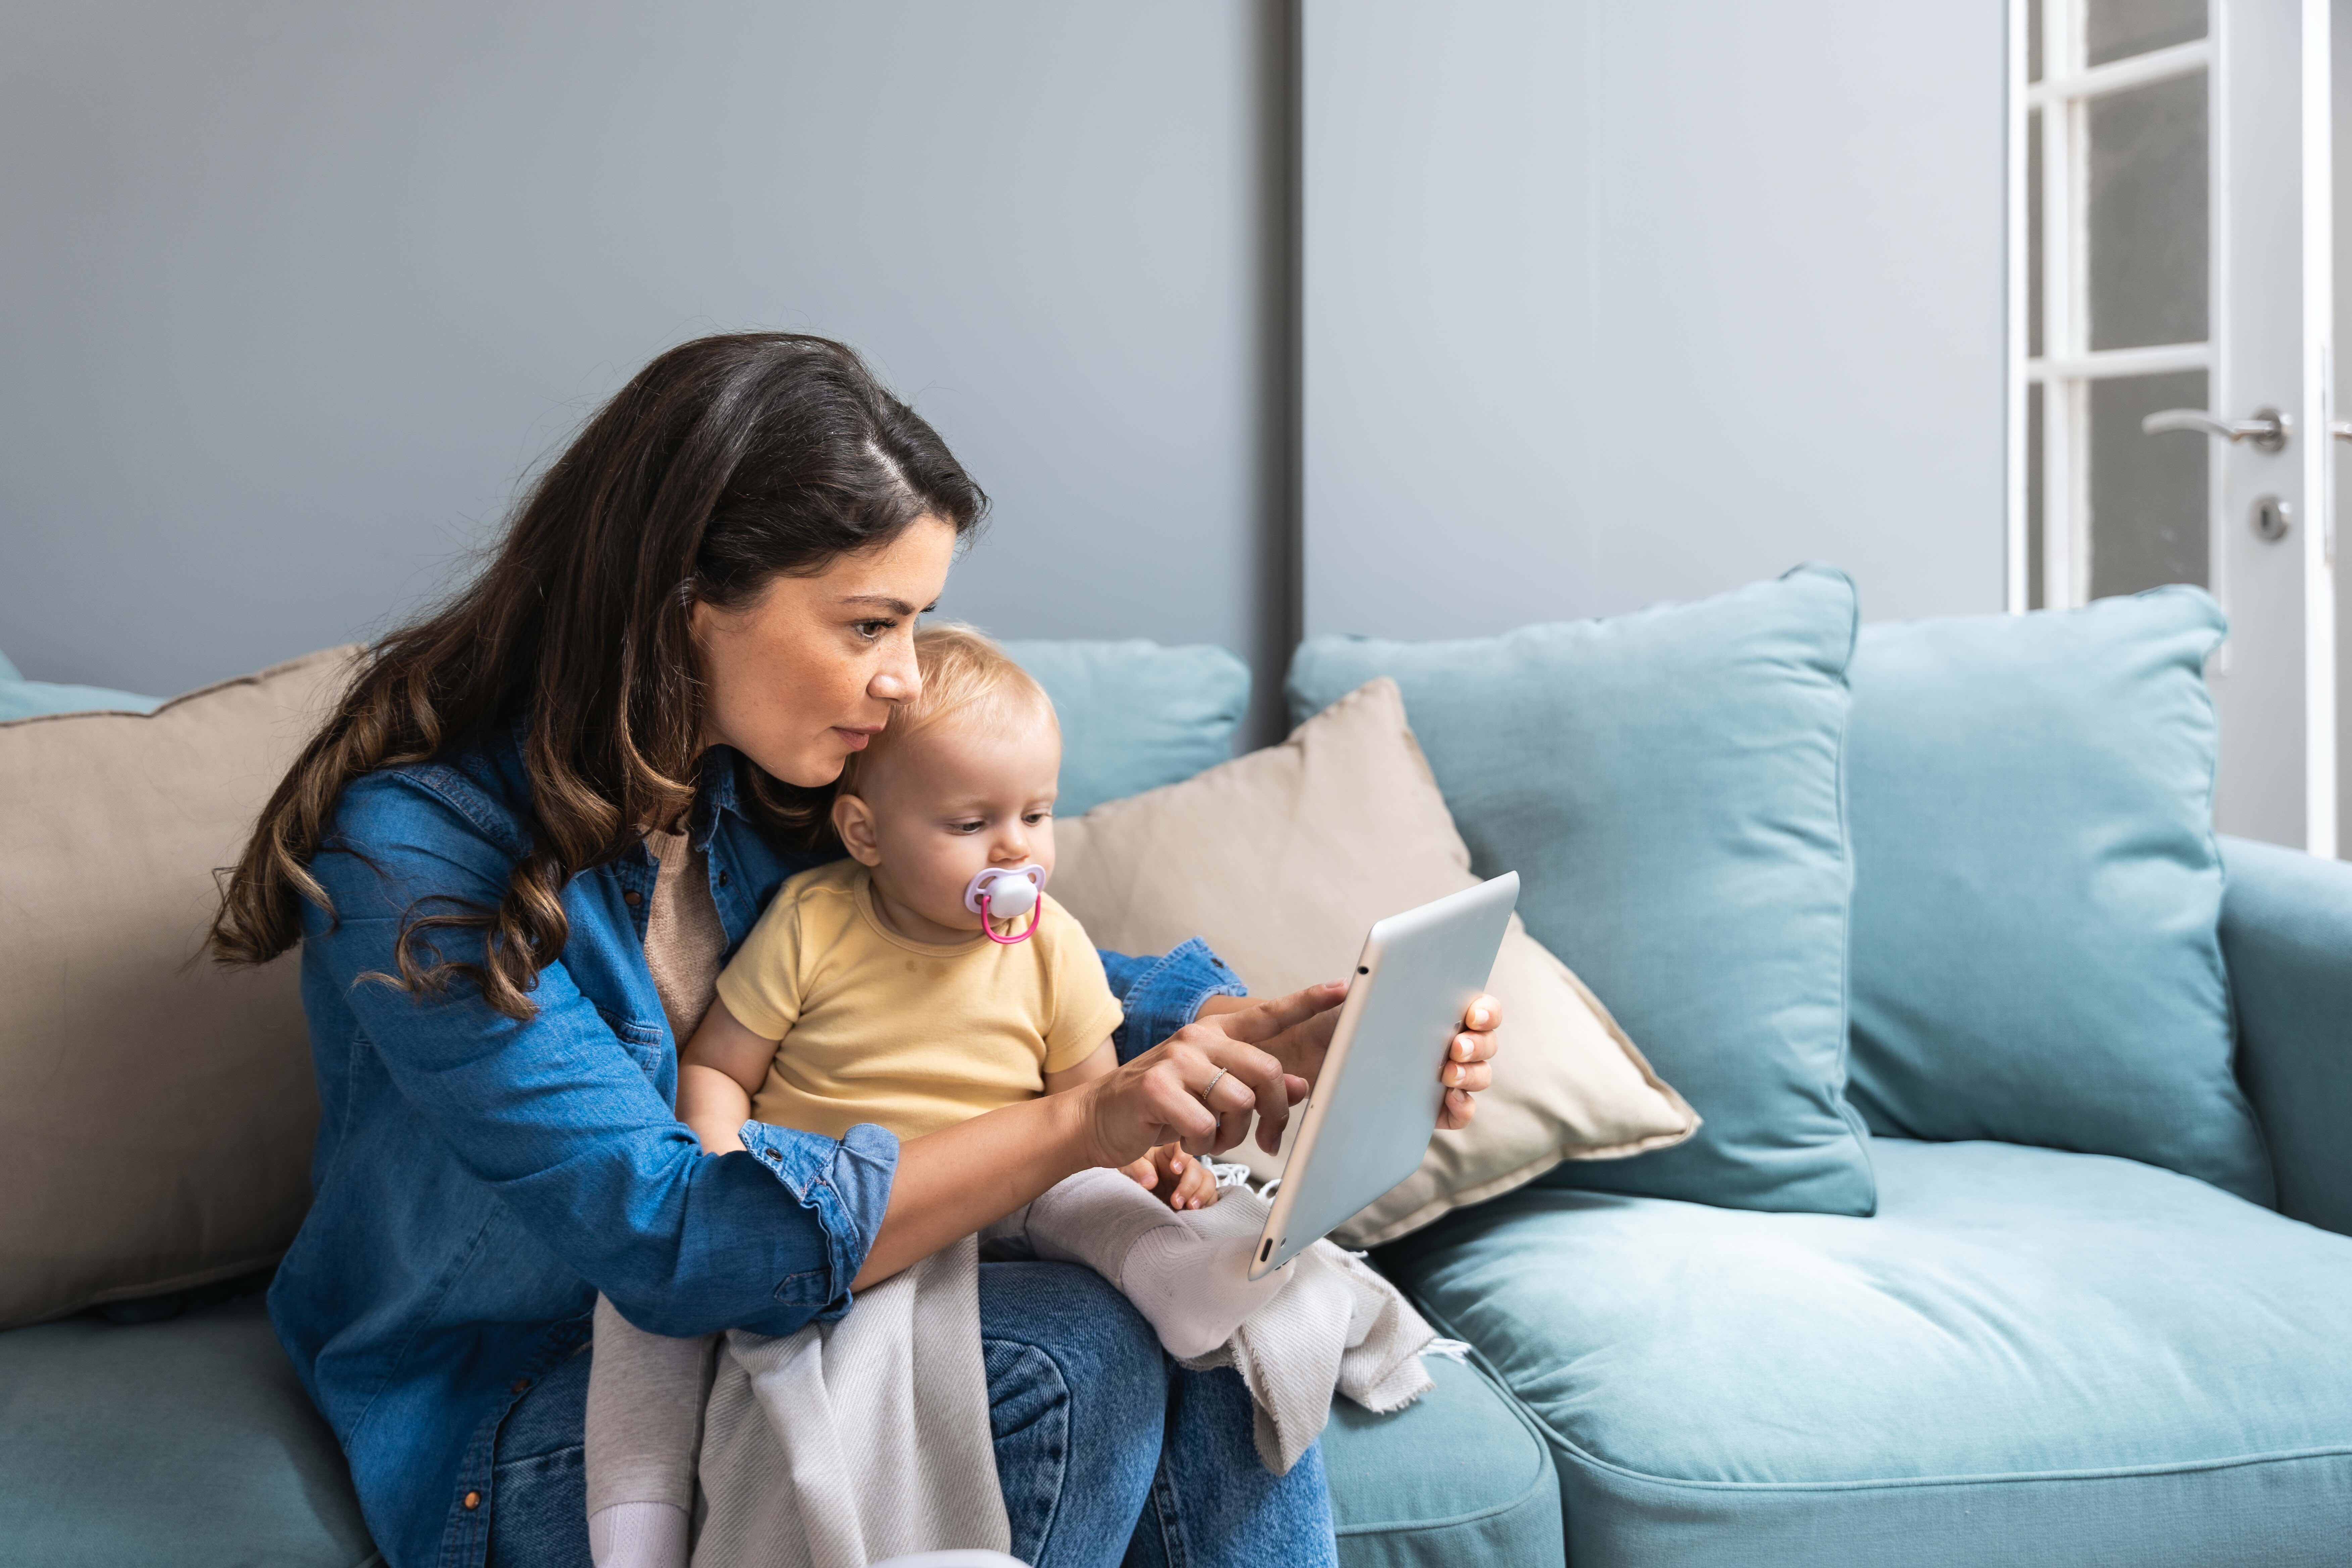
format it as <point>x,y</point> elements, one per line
<point>700,610</point>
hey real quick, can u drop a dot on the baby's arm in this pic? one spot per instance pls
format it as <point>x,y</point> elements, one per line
<point>1181,1181</point>
<point>719,1070</point>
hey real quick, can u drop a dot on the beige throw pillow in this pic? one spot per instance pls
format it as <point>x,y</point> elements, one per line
<point>156,1112</point>
<point>1282,859</point>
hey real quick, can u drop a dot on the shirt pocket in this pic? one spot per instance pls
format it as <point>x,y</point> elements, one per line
<point>645,1042</point>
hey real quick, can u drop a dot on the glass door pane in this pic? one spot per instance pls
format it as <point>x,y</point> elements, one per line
<point>2149,216</point>
<point>2037,595</point>
<point>2033,283</point>
<point>2116,29</point>
<point>2148,493</point>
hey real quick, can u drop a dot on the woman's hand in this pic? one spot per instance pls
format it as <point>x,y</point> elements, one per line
<point>1466,1070</point>
<point>1198,1086</point>
<point>1301,1045</point>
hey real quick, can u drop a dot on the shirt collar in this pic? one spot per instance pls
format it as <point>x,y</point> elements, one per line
<point>717,791</point>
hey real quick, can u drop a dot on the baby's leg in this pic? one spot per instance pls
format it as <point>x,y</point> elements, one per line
<point>1195,1290</point>
<point>645,1394</point>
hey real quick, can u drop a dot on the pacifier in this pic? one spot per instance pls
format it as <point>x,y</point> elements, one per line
<point>1006,893</point>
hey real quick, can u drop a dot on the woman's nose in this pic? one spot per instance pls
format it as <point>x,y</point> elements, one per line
<point>900,679</point>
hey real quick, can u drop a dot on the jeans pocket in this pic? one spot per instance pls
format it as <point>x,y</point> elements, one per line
<point>539,1510</point>
<point>1029,1421</point>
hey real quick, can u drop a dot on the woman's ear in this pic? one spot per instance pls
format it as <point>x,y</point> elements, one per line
<point>854,820</point>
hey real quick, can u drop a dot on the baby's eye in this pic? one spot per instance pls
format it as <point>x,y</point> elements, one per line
<point>972,827</point>
<point>1035,817</point>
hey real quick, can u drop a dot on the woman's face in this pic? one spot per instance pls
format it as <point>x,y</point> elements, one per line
<point>805,673</point>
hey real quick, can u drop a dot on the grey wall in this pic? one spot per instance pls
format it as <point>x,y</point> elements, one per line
<point>293,295</point>
<point>1602,303</point>
<point>1611,303</point>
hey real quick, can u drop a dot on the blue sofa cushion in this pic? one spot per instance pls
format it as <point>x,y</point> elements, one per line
<point>187,1442</point>
<point>1136,715</point>
<point>2037,898</point>
<point>23,698</point>
<point>34,699</point>
<point>2028,1357</point>
<point>1666,784</point>
<point>1460,1476</point>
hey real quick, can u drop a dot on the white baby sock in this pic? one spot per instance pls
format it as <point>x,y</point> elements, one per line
<point>638,1535</point>
<point>1194,1289</point>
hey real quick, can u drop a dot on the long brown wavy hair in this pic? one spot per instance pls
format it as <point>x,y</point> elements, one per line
<point>726,462</point>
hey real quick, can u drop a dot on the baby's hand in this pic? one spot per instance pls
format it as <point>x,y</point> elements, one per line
<point>1183,1181</point>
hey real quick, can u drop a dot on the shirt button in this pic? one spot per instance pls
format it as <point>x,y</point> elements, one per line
<point>722,879</point>
<point>520,1385</point>
<point>633,898</point>
<point>770,1155</point>
<point>473,1499</point>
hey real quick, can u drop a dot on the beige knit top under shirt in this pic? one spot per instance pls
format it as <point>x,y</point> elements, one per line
<point>684,937</point>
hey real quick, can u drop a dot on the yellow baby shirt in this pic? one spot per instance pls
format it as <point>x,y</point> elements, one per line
<point>913,1036</point>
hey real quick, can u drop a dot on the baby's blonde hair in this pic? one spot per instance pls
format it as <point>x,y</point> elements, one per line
<point>962,668</point>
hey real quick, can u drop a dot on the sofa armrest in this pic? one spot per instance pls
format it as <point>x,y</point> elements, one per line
<point>2286,934</point>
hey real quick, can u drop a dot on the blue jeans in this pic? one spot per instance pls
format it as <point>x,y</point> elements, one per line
<point>1107,1451</point>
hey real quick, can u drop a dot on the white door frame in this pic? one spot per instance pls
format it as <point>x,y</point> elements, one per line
<point>2067,366</point>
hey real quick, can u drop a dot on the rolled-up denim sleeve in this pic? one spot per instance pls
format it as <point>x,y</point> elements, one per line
<point>846,1184</point>
<point>558,1117</point>
<point>1162,995</point>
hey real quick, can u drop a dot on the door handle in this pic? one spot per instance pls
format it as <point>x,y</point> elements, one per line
<point>2268,429</point>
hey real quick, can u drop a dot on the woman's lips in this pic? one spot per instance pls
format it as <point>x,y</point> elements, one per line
<point>854,738</point>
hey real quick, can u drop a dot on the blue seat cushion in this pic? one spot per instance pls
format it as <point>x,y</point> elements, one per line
<point>189,1443</point>
<point>2027,1357</point>
<point>1136,715</point>
<point>186,1442</point>
<point>1462,1474</point>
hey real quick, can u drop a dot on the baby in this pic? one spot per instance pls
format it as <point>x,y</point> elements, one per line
<point>925,980</point>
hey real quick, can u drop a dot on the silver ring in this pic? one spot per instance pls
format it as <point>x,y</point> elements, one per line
<point>1211,1087</point>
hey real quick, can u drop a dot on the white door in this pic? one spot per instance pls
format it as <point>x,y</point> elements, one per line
<point>2173,332</point>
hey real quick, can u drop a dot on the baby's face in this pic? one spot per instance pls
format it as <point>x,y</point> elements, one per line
<point>972,791</point>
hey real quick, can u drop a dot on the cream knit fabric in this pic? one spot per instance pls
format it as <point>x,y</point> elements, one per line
<point>684,938</point>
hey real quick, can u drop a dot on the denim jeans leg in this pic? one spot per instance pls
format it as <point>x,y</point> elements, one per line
<point>1213,1504</point>
<point>1080,1398</point>
<point>1075,1385</point>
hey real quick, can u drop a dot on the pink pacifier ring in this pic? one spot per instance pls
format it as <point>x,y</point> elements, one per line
<point>1024,886</point>
<point>1036,913</point>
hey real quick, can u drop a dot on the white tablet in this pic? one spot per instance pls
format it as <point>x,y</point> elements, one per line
<point>1374,1107</point>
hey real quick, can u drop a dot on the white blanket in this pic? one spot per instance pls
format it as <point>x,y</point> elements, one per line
<point>853,1441</point>
<point>1337,1326</point>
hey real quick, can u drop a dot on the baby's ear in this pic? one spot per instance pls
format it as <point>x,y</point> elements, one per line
<point>854,820</point>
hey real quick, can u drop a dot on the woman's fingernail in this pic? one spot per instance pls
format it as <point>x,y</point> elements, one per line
<point>1479,1018</point>
<point>1453,1074</point>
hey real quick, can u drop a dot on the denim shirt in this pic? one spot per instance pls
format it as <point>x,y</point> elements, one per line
<point>478,1180</point>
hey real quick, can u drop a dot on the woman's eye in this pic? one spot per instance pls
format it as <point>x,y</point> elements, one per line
<point>870,630</point>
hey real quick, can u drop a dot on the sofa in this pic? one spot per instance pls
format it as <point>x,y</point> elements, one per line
<point>2000,1301</point>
